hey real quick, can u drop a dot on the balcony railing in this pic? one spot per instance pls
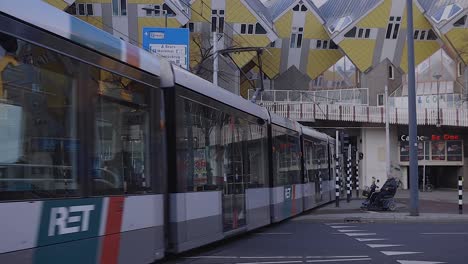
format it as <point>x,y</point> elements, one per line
<point>310,111</point>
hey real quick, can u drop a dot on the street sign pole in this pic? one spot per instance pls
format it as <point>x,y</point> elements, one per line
<point>414,208</point>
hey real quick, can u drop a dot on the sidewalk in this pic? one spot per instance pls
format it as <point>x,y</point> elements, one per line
<point>437,206</point>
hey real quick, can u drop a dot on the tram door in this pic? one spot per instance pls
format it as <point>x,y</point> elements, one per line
<point>234,211</point>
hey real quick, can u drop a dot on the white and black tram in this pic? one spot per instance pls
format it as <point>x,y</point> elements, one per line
<point>109,154</point>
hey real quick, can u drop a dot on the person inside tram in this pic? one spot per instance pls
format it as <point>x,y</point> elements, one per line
<point>8,47</point>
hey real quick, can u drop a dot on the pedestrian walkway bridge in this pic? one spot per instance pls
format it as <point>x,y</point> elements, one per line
<point>309,111</point>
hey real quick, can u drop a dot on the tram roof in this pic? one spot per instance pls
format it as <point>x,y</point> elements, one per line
<point>80,32</point>
<point>314,133</point>
<point>204,87</point>
<point>284,122</point>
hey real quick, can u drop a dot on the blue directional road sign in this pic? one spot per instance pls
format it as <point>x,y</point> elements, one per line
<point>170,43</point>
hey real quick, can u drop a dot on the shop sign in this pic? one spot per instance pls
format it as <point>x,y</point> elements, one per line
<point>420,138</point>
<point>445,137</point>
<point>432,138</point>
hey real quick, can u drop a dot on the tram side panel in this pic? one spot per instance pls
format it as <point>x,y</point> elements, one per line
<point>219,170</point>
<point>312,186</point>
<point>257,169</point>
<point>83,135</point>
<point>286,193</point>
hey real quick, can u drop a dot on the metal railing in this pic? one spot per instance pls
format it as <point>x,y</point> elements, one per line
<point>310,111</point>
<point>355,96</point>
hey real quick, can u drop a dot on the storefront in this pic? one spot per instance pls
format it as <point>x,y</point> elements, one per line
<point>440,158</point>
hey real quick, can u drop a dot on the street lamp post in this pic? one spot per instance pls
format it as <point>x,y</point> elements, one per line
<point>412,124</point>
<point>437,77</point>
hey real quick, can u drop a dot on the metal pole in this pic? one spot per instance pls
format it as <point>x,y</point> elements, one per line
<point>215,58</point>
<point>438,108</point>
<point>413,130</point>
<point>337,171</point>
<point>437,77</point>
<point>466,84</point>
<point>387,133</point>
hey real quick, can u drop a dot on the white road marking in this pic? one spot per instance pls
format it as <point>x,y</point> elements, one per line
<point>212,257</point>
<point>273,257</point>
<point>336,260</point>
<point>418,262</point>
<point>360,234</point>
<point>351,230</point>
<point>273,233</point>
<point>382,245</point>
<point>272,262</point>
<point>453,233</point>
<point>370,239</point>
<point>394,253</point>
<point>342,226</point>
<point>337,256</point>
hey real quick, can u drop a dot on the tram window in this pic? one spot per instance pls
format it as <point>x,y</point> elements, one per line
<point>218,148</point>
<point>257,160</point>
<point>121,146</point>
<point>309,163</point>
<point>38,143</point>
<point>286,157</point>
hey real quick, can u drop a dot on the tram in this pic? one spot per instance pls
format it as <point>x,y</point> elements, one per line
<point>109,154</point>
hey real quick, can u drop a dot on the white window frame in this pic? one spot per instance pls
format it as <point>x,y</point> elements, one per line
<point>391,72</point>
<point>322,44</point>
<point>378,100</point>
<point>300,5</point>
<point>85,8</point>
<point>446,12</point>
<point>296,33</point>
<point>393,27</point>
<point>119,7</point>
<point>460,69</point>
<point>153,11</point>
<point>217,16</point>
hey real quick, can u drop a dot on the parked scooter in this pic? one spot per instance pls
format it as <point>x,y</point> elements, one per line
<point>383,200</point>
<point>369,191</point>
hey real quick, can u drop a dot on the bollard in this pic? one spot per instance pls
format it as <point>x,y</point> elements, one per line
<point>348,180</point>
<point>337,181</point>
<point>320,186</point>
<point>357,174</point>
<point>460,194</point>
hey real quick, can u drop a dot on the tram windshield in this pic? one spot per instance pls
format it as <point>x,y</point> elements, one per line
<point>64,123</point>
<point>37,120</point>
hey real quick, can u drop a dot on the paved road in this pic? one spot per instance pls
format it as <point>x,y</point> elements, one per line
<point>302,241</point>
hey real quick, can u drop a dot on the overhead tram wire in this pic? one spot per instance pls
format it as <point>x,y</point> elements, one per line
<point>201,15</point>
<point>226,24</point>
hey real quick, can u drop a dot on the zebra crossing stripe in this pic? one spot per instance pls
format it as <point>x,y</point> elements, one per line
<point>395,253</point>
